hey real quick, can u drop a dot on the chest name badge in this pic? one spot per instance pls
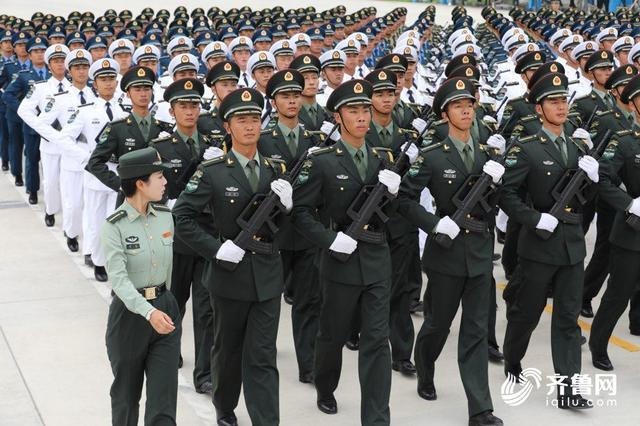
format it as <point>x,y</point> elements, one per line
<point>132,239</point>
<point>342,177</point>
<point>130,142</point>
<point>231,191</point>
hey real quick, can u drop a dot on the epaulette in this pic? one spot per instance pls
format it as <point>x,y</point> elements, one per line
<point>212,161</point>
<point>518,99</point>
<point>61,93</point>
<point>268,129</point>
<point>116,216</point>
<point>439,123</point>
<point>431,147</point>
<point>161,207</point>
<point>589,96</point>
<point>159,139</point>
<point>280,166</point>
<point>530,117</point>
<point>39,81</point>
<point>528,139</point>
<point>321,151</point>
<point>85,105</point>
<point>623,132</point>
<point>603,113</point>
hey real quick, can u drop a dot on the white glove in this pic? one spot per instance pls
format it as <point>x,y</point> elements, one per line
<point>497,142</point>
<point>412,152</point>
<point>343,244</point>
<point>212,152</point>
<point>448,227</point>
<point>584,135</point>
<point>326,128</point>
<point>419,124</point>
<point>171,202</point>
<point>590,166</point>
<point>635,207</point>
<point>230,252</point>
<point>284,191</point>
<point>489,119</point>
<point>493,169</point>
<point>390,179</point>
<point>547,222</point>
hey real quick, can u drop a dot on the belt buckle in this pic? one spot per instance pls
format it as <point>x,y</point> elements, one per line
<point>150,293</point>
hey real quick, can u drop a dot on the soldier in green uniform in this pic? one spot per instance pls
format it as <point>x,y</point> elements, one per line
<point>534,166</point>
<point>288,140</point>
<point>619,164</point>
<point>143,328</point>
<point>131,133</point>
<point>312,115</point>
<point>598,68</point>
<point>182,151</point>
<point>463,272</point>
<point>616,119</point>
<point>403,114</point>
<point>402,236</point>
<point>245,298</point>
<point>222,78</point>
<point>330,181</point>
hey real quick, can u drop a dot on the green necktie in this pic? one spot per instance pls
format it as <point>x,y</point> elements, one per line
<point>467,157</point>
<point>144,128</point>
<point>291,143</point>
<point>562,147</point>
<point>385,137</point>
<point>359,160</point>
<point>252,174</point>
<point>193,148</point>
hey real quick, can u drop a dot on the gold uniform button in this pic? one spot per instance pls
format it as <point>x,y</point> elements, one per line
<point>341,188</point>
<point>129,148</point>
<point>232,201</point>
<point>151,237</point>
<point>466,231</point>
<point>449,182</point>
<point>548,173</point>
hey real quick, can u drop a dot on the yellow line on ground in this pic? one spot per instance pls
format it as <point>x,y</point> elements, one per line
<point>614,340</point>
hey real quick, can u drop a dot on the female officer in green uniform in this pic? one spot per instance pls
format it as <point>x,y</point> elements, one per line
<point>141,335</point>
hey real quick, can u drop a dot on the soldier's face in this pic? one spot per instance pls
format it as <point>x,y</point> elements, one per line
<point>460,114</point>
<point>623,57</point>
<point>6,46</point>
<point>152,64</point>
<point>262,45</point>
<point>211,62</point>
<point>241,57</point>
<point>185,113</point>
<point>311,81</point>
<point>602,74</point>
<point>351,63</point>
<point>334,75</point>
<point>106,86</point>
<point>223,87</point>
<point>56,66</point>
<point>153,188</point>
<point>303,50</point>
<point>316,47</point>
<point>140,95</point>
<point>288,104</point>
<point>244,129</point>
<point>399,82</point>
<point>76,45</point>
<point>20,49</point>
<point>383,101</point>
<point>56,40</point>
<point>79,73</point>
<point>553,110</point>
<point>98,53</point>
<point>283,61</point>
<point>124,60</point>
<point>37,57</point>
<point>354,120</point>
<point>262,76</point>
<point>179,75</point>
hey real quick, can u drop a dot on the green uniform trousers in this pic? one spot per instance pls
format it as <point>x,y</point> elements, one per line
<point>527,305</point>
<point>186,278</point>
<point>339,303</point>
<point>136,350</point>
<point>401,333</point>
<point>244,355</point>
<point>441,301</point>
<point>302,273</point>
<point>625,276</point>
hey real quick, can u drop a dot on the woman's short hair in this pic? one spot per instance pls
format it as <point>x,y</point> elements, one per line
<point>129,185</point>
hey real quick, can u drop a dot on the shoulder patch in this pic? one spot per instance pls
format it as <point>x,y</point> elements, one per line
<point>73,116</point>
<point>116,216</point>
<point>104,133</point>
<point>193,183</point>
<point>610,150</point>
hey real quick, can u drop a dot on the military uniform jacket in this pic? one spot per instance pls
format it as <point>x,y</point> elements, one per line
<point>221,185</point>
<point>611,119</point>
<point>273,145</point>
<point>586,105</point>
<point>440,168</point>
<point>8,75</point>
<point>397,226</point>
<point>20,86</point>
<point>118,138</point>
<point>621,162</point>
<point>534,165</point>
<point>531,124</point>
<point>210,123</point>
<point>403,115</point>
<point>330,182</point>
<point>313,123</point>
<point>515,110</point>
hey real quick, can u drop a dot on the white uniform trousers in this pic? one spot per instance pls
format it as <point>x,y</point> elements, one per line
<point>51,182</point>
<point>71,184</point>
<point>98,205</point>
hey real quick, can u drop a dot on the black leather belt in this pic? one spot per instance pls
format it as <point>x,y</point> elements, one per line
<point>151,293</point>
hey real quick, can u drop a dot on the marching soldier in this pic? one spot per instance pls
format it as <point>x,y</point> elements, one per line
<point>245,296</point>
<point>312,115</point>
<point>222,78</point>
<point>127,134</point>
<point>183,151</point>
<point>463,272</point>
<point>143,328</point>
<point>619,164</point>
<point>534,167</point>
<point>329,182</point>
<point>289,140</point>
